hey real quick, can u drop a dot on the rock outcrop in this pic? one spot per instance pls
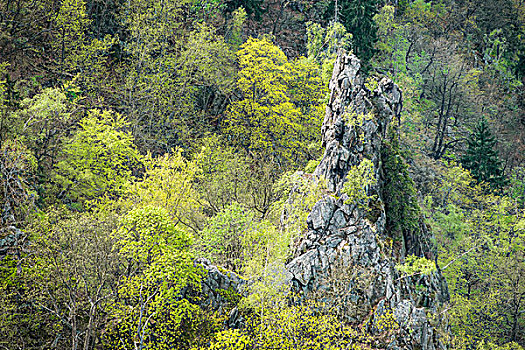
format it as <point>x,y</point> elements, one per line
<point>346,257</point>
<point>220,292</point>
<point>219,287</point>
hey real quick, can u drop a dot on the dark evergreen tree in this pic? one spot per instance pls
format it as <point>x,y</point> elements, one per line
<point>357,17</point>
<point>400,197</point>
<point>252,7</point>
<point>482,158</point>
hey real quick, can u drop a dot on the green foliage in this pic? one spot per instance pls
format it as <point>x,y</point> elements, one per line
<point>150,312</point>
<point>481,158</point>
<point>235,37</point>
<point>98,160</point>
<point>360,179</point>
<point>252,7</point>
<point>80,55</point>
<point>20,323</point>
<point>3,98</point>
<point>147,233</point>
<point>237,240</point>
<point>323,43</point>
<point>85,281</point>
<point>414,265</point>
<point>265,117</point>
<point>482,345</point>
<point>307,91</point>
<point>229,175</point>
<point>68,280</point>
<point>42,123</point>
<point>311,166</point>
<point>225,236</point>
<point>288,328</point>
<point>357,17</point>
<point>451,222</point>
<point>310,325</point>
<point>206,10</point>
<point>517,186</point>
<point>270,120</point>
<point>296,195</point>
<point>17,167</point>
<point>356,121</point>
<point>169,183</point>
<point>480,237</point>
<point>177,79</point>
<point>398,192</point>
<point>71,22</point>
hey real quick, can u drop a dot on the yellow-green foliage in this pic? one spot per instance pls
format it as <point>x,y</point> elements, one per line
<point>358,182</point>
<point>70,277</point>
<point>307,92</point>
<point>224,239</point>
<point>371,83</point>
<point>415,265</point>
<point>237,240</point>
<point>43,120</point>
<point>231,339</point>
<point>173,73</point>
<point>99,158</point>
<point>169,183</point>
<point>77,51</point>
<point>481,239</point>
<point>385,322</point>
<point>323,44</point>
<point>484,345</point>
<point>3,89</point>
<point>50,106</point>
<point>150,313</point>
<point>295,327</point>
<point>356,120</point>
<point>71,22</point>
<point>311,325</point>
<point>384,21</point>
<point>279,113</point>
<point>150,23</point>
<point>229,175</point>
<point>236,25</point>
<point>297,193</point>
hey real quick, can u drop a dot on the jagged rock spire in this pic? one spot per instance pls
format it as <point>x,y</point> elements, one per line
<point>345,258</point>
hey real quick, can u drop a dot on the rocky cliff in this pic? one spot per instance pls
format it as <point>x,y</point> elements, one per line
<point>348,257</point>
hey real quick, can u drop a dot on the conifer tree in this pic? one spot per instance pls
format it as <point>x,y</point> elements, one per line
<point>481,157</point>
<point>357,17</point>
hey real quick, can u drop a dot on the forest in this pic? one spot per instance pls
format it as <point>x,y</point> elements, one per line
<point>149,146</point>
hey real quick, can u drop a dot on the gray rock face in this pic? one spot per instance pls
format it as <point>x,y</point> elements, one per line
<point>10,238</point>
<point>345,258</point>
<point>219,288</point>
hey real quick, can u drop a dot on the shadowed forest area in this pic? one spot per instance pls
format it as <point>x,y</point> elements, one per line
<point>141,140</point>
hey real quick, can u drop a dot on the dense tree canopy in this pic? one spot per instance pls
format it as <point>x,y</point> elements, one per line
<point>139,135</point>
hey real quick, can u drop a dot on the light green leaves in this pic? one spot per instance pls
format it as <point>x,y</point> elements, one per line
<point>99,158</point>
<point>415,265</point>
<point>150,309</point>
<point>359,180</point>
<point>147,233</point>
<point>279,107</point>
